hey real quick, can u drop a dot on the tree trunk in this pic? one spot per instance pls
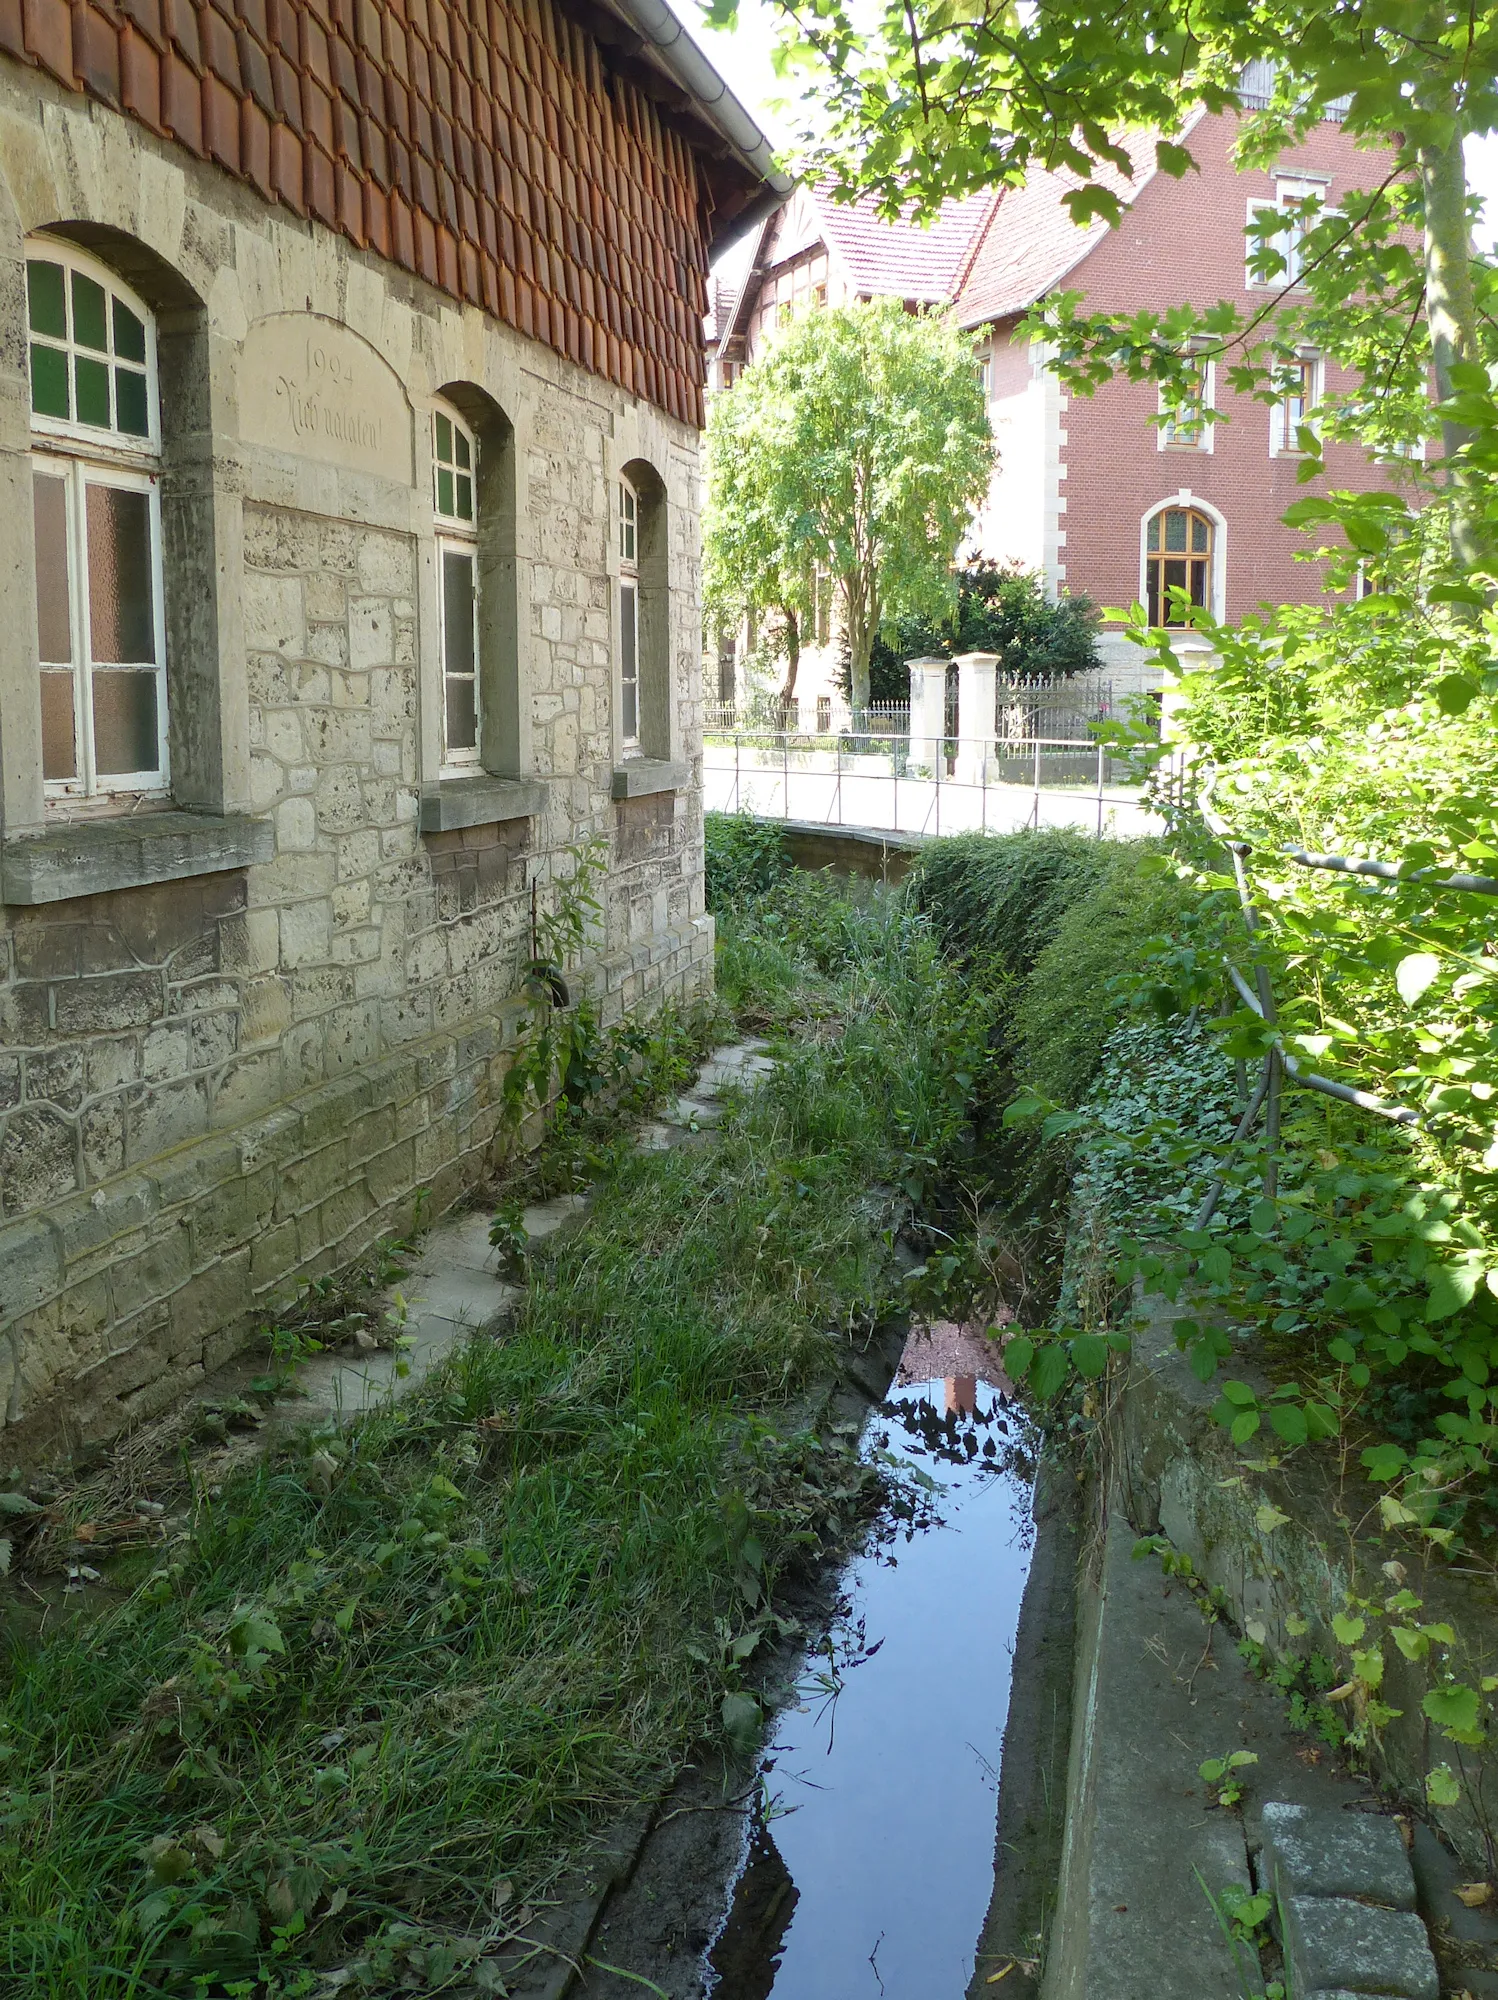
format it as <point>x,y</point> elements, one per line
<point>792,654</point>
<point>861,622</point>
<point>1451,312</point>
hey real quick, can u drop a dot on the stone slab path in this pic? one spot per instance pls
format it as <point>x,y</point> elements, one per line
<point>454,1288</point>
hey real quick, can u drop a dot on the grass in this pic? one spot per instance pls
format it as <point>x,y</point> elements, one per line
<point>389,1676</point>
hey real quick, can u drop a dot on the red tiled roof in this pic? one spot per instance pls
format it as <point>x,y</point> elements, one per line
<point>1031,242</point>
<point>906,259</point>
<point>486,145</point>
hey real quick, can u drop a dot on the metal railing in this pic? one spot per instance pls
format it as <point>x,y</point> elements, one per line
<point>921,785</point>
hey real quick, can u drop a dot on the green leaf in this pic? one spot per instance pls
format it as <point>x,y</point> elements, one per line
<point>1441,1787</point>
<point>1216,1265</point>
<point>1048,1372</point>
<point>1203,1360</point>
<point>1290,1423</point>
<point>1384,1462</point>
<point>1451,1288</point>
<point>1020,1109</point>
<point>1059,1122</point>
<point>1089,1355</point>
<point>1414,974</point>
<point>255,1632</point>
<point>1245,1426</point>
<point>1348,1630</point>
<point>1455,1710</point>
<point>742,1720</point>
<point>1267,1519</point>
<point>1018,1355</point>
<point>1455,693</point>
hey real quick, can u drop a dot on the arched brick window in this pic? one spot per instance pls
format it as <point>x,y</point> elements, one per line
<point>1179,546</point>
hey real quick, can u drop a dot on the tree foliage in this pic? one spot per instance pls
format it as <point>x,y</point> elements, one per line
<point>1001,609</point>
<point>920,101</point>
<point>856,446</point>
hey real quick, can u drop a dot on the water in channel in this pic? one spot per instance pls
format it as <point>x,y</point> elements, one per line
<point>868,1870</point>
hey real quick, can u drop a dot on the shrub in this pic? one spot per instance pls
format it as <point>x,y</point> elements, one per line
<point>994,901</point>
<point>1000,609</point>
<point>744,857</point>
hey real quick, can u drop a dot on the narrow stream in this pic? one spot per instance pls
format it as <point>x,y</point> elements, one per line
<point>868,1870</point>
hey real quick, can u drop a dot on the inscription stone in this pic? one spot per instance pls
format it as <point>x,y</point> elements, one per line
<point>313,387</point>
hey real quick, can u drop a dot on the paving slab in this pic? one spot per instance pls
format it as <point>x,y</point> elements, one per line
<point>1321,1853</point>
<point>545,1218</point>
<point>698,1112</point>
<point>462,1243</point>
<point>1465,1939</point>
<point>1334,1945</point>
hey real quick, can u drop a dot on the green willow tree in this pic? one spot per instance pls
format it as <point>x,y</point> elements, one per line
<point>856,447</point>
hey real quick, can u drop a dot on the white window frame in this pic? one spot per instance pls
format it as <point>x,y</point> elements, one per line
<point>1282,442</point>
<point>121,445</point>
<point>1217,571</point>
<point>460,535</point>
<point>85,455</point>
<point>79,473</point>
<point>1165,433</point>
<point>1290,190</point>
<point>629,616</point>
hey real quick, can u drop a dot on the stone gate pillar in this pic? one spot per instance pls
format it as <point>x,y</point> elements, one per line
<point>928,713</point>
<point>976,674</point>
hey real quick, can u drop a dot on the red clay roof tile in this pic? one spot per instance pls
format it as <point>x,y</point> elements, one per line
<point>550,191</point>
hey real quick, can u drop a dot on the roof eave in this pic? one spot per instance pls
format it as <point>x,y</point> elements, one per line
<point>658,38</point>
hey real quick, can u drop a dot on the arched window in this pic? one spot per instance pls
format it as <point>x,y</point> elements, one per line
<point>1178,550</point>
<point>96,463</point>
<point>629,616</point>
<point>454,479</point>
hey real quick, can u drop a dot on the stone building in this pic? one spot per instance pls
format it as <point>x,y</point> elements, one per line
<point>350,383</point>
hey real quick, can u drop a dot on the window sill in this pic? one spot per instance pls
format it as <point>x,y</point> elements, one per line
<point>96,857</point>
<point>453,803</point>
<point>641,776</point>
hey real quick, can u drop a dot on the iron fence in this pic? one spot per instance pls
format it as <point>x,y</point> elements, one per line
<point>1025,706</point>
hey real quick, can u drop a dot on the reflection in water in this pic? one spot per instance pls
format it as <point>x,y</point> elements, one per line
<point>962,1395</point>
<point>747,1955</point>
<point>870,1874</point>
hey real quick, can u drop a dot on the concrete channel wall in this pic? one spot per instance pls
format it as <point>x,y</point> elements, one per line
<point>1178,1474</point>
<point>1160,1687</point>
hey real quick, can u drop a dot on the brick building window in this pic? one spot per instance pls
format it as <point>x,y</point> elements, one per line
<point>454,479</point>
<point>1300,392</point>
<point>629,616</point>
<point>1178,552</point>
<point>1184,422</point>
<point>96,471</point>
<point>1278,228</point>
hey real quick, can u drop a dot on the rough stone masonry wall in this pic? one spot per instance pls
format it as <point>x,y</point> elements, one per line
<point>213,1089</point>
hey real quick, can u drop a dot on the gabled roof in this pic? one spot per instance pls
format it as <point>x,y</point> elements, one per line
<point>905,259</point>
<point>1031,242</point>
<point>992,254</point>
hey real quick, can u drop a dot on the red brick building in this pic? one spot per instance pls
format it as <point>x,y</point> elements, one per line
<point>1086,487</point>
